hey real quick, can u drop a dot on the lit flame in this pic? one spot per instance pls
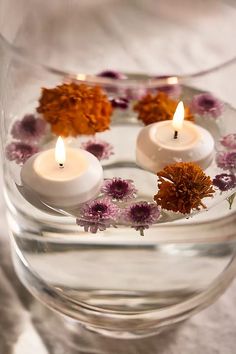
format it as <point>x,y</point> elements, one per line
<point>178,118</point>
<point>60,152</point>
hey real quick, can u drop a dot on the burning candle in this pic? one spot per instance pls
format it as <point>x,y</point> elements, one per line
<point>178,119</point>
<point>160,144</point>
<point>62,177</point>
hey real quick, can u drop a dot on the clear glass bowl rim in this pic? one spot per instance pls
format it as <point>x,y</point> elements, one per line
<point>143,81</point>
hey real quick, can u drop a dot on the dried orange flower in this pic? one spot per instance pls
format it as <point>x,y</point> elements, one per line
<point>159,107</point>
<point>73,109</point>
<point>182,186</point>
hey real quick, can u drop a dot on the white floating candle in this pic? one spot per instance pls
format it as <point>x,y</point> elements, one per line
<point>63,177</point>
<point>160,144</point>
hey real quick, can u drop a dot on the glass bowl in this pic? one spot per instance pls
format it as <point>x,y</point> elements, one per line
<point>105,274</point>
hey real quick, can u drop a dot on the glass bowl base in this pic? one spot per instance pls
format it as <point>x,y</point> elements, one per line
<point>97,311</point>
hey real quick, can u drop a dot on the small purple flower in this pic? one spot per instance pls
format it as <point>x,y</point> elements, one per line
<point>111,74</point>
<point>172,90</point>
<point>226,160</point>
<point>20,152</point>
<point>99,148</point>
<point>119,189</point>
<point>115,75</point>
<point>135,93</point>
<point>229,141</point>
<point>141,215</point>
<point>206,104</point>
<point>29,129</point>
<point>225,181</point>
<point>97,215</point>
<point>120,102</point>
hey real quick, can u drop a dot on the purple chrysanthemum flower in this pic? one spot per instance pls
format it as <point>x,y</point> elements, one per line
<point>206,104</point>
<point>135,93</point>
<point>20,152</point>
<point>225,181</point>
<point>172,90</point>
<point>120,102</point>
<point>226,160</point>
<point>119,189</point>
<point>229,141</point>
<point>116,75</point>
<point>111,74</point>
<point>99,148</point>
<point>141,215</point>
<point>29,129</point>
<point>97,215</point>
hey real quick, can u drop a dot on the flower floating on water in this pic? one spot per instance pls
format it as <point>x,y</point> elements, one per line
<point>141,215</point>
<point>135,93</point>
<point>182,186</point>
<point>172,90</point>
<point>99,148</point>
<point>225,181</point>
<point>29,129</point>
<point>111,74</point>
<point>119,189</point>
<point>205,104</point>
<point>115,75</point>
<point>229,141</point>
<point>97,215</point>
<point>73,109</point>
<point>159,107</point>
<point>120,102</point>
<point>20,152</point>
<point>226,160</point>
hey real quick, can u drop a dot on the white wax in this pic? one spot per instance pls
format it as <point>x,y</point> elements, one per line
<point>156,146</point>
<point>77,182</point>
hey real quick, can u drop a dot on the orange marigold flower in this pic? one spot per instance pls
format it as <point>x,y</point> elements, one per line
<point>159,107</point>
<point>74,109</point>
<point>182,186</point>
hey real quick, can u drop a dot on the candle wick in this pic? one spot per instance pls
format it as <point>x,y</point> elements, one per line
<point>176,134</point>
<point>61,165</point>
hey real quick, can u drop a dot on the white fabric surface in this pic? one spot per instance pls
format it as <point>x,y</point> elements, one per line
<point>27,327</point>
